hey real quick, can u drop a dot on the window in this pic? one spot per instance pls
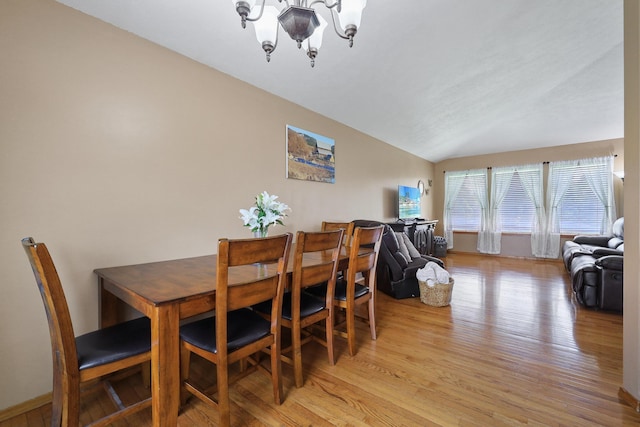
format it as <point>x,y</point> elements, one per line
<point>517,210</point>
<point>466,208</point>
<point>579,200</point>
<point>580,211</point>
<point>583,208</point>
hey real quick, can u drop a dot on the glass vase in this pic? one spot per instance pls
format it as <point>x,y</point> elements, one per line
<point>261,233</point>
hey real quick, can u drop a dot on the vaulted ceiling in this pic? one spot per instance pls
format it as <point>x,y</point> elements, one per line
<point>437,78</point>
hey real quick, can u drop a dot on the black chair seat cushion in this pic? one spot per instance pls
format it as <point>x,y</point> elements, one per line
<point>244,326</point>
<point>341,290</point>
<point>114,343</point>
<point>317,291</point>
<point>309,304</point>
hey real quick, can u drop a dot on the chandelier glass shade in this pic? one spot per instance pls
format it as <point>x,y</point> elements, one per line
<point>300,20</point>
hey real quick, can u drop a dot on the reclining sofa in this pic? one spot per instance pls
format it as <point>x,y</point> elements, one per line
<point>595,264</point>
<point>395,274</point>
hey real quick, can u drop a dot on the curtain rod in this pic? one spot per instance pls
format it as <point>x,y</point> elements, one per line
<point>544,163</point>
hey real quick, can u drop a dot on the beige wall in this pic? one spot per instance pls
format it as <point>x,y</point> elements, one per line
<point>117,151</point>
<point>519,245</point>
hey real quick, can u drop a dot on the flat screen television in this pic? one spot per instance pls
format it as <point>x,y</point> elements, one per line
<point>408,202</point>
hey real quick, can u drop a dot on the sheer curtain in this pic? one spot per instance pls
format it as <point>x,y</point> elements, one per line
<point>602,185</point>
<point>452,184</point>
<point>556,189</point>
<point>500,182</point>
<point>532,184</point>
<point>480,189</point>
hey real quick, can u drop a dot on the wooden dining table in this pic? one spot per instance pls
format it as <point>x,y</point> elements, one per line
<point>167,292</point>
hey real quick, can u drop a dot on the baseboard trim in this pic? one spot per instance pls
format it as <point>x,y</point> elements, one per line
<point>525,258</point>
<point>629,399</point>
<point>24,407</point>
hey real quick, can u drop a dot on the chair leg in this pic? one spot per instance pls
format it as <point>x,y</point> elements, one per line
<point>70,404</point>
<point>224,408</point>
<point>329,337</point>
<point>185,360</point>
<point>372,318</point>
<point>63,402</point>
<point>297,352</point>
<point>146,374</point>
<point>351,330</point>
<point>276,372</point>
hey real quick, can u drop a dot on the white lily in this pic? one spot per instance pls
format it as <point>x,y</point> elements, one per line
<point>267,212</point>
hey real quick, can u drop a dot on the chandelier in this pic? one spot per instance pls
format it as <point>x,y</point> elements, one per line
<point>300,20</point>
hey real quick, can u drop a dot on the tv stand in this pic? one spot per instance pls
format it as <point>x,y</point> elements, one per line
<point>409,221</point>
<point>417,227</point>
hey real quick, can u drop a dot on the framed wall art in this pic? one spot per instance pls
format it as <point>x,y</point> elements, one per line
<point>310,156</point>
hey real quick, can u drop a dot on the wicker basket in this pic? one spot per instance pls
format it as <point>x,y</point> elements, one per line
<point>438,295</point>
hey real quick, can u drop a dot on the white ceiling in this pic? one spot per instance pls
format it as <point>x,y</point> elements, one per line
<point>437,78</point>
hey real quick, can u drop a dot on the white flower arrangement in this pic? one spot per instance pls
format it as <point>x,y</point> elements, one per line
<point>266,212</point>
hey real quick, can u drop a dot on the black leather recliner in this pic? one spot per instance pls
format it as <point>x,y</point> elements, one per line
<point>598,246</point>
<point>395,275</point>
<point>596,267</point>
<point>610,295</point>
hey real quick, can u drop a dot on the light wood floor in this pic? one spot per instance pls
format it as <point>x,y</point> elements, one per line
<point>513,348</point>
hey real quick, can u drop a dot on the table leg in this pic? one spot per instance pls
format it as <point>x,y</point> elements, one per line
<point>107,305</point>
<point>165,365</point>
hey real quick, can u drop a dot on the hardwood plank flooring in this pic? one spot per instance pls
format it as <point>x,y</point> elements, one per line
<point>512,349</point>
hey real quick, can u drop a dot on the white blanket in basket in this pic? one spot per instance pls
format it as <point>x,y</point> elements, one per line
<point>432,273</point>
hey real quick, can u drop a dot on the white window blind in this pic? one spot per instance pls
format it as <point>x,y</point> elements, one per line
<point>582,210</point>
<point>466,210</point>
<point>517,210</point>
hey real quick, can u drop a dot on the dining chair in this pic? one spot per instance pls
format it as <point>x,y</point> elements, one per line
<point>353,292</point>
<point>346,226</point>
<point>249,271</point>
<point>348,234</point>
<point>359,285</point>
<point>300,310</point>
<point>83,359</point>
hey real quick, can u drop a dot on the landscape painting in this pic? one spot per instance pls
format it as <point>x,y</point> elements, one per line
<point>310,156</point>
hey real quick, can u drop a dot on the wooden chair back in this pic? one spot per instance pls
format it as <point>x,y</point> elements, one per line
<point>363,255</point>
<point>325,246</point>
<point>63,342</point>
<point>267,283</point>
<point>346,226</point>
